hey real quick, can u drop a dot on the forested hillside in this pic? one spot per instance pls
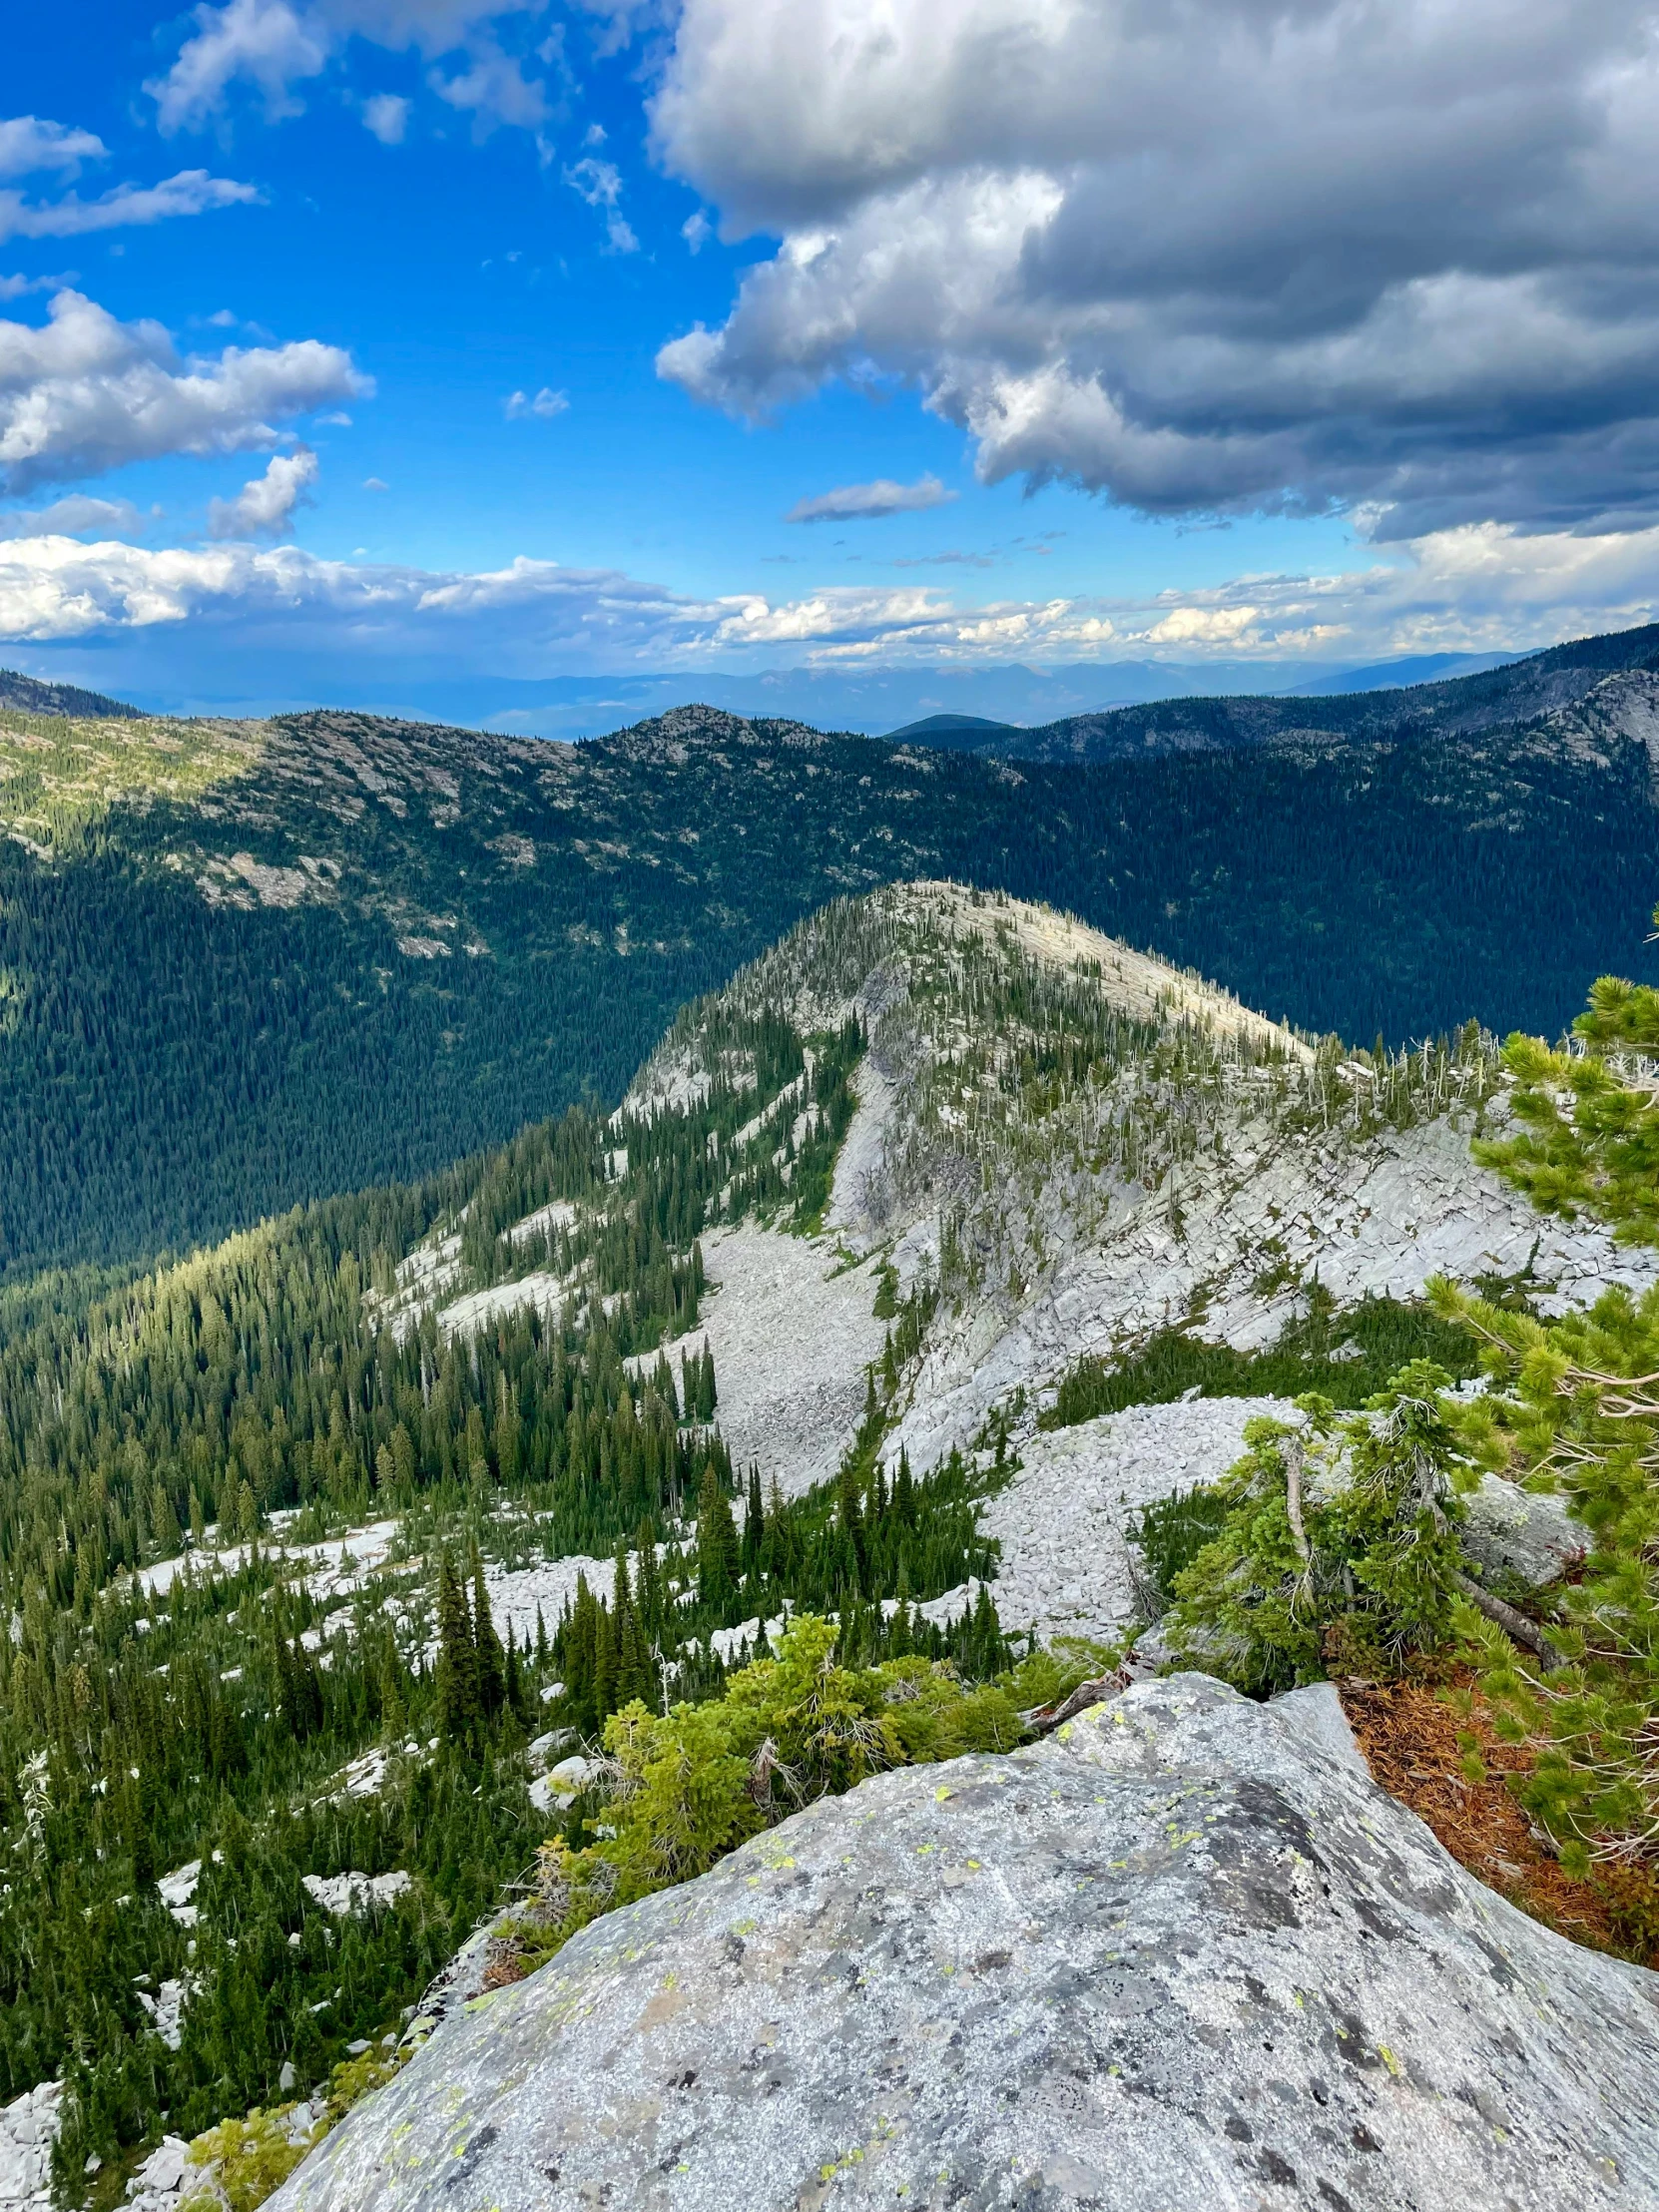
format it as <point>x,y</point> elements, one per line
<point>424,1548</point>
<point>31,695</point>
<point>245,964</point>
<point>255,1512</point>
<point>1517,691</point>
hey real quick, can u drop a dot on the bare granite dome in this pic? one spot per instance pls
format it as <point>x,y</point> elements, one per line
<point>1183,1954</point>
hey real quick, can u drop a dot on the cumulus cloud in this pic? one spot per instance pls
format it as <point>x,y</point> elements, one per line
<point>17,287</point>
<point>88,393</point>
<point>1472,588</point>
<point>264,43</point>
<point>29,145</point>
<point>191,192</point>
<point>1390,255</point>
<point>75,516</point>
<point>388,116</point>
<point>545,405</point>
<point>54,587</point>
<point>274,46</point>
<point>493,90</point>
<point>599,184</point>
<point>864,503</point>
<point>264,508</point>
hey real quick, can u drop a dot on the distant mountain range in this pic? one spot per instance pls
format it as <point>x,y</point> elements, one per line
<point>1501,692</point>
<point>243,963</point>
<point>867,701</point>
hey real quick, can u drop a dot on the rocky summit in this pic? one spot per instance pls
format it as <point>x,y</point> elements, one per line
<point>1184,1952</point>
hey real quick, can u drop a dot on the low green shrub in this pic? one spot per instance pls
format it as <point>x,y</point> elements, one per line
<point>1338,1547</point>
<point>681,1789</point>
<point>1346,1355</point>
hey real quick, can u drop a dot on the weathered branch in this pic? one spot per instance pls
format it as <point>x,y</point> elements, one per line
<point>1043,1720</point>
<point>1511,1622</point>
<point>1292,1461</point>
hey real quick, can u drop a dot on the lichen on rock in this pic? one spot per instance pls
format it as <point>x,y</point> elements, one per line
<point>1183,1953</point>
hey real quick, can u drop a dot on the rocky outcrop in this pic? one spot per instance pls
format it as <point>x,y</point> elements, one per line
<point>1184,1954</point>
<point>28,2130</point>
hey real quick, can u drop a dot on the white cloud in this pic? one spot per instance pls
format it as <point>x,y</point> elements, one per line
<point>30,145</point>
<point>388,116</point>
<point>191,192</point>
<point>57,588</point>
<point>697,231</point>
<point>88,393</point>
<point>374,483</point>
<point>1384,254</point>
<point>599,184</point>
<point>71,517</point>
<point>264,508</point>
<point>262,42</point>
<point>274,46</point>
<point>17,287</point>
<point>494,89</point>
<point>545,405</point>
<point>1473,588</point>
<point>861,502</point>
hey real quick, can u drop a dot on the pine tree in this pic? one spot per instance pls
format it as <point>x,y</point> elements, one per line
<point>580,1637</point>
<point>459,1704</point>
<point>477,1457</point>
<point>850,1518</point>
<point>394,1712</point>
<point>754,1522</point>
<point>506,1431</point>
<point>604,1665</point>
<point>491,1661</point>
<point>905,1491</point>
<point>518,1702</point>
<point>404,1465</point>
<point>635,1676</point>
<point>718,1551</point>
<point>649,1595</point>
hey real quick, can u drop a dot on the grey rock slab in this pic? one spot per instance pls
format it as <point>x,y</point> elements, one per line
<point>1530,1535</point>
<point>1317,1711</point>
<point>1182,1954</point>
<point>1068,1568</point>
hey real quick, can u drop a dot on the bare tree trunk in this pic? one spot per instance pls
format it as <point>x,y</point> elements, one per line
<point>1512,1623</point>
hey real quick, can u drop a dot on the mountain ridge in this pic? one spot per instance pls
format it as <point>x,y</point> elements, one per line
<point>1518,691</point>
<point>940,1245</point>
<point>378,944</point>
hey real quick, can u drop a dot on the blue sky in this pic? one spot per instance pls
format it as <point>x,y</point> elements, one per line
<point>1111,401</point>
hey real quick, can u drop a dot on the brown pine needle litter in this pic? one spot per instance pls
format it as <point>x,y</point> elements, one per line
<point>1410,1739</point>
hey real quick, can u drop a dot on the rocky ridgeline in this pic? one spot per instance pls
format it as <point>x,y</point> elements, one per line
<point>1184,1954</point>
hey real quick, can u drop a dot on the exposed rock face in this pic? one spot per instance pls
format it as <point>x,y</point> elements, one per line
<point>1185,1955</point>
<point>28,2130</point>
<point>1067,1563</point>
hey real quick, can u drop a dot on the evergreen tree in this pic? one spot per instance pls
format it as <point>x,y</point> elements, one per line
<point>491,1668</point>
<point>905,1491</point>
<point>718,1550</point>
<point>754,1522</point>
<point>460,1701</point>
<point>394,1712</point>
<point>849,1515</point>
<point>604,1663</point>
